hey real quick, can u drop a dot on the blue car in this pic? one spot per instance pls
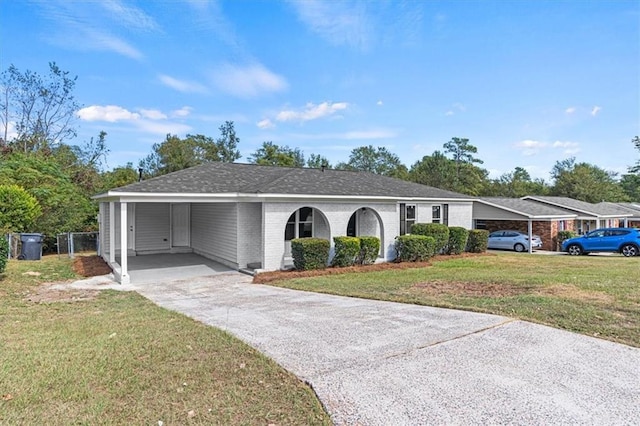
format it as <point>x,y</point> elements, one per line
<point>617,240</point>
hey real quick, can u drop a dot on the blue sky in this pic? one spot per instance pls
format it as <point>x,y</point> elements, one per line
<point>528,83</point>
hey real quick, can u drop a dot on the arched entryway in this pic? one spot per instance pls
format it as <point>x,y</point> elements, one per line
<point>305,222</point>
<point>366,222</point>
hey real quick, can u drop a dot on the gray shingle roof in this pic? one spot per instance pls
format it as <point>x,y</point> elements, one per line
<point>598,210</point>
<point>527,207</point>
<point>625,208</point>
<point>231,178</point>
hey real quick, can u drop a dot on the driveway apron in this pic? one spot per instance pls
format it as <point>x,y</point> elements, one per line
<point>384,363</point>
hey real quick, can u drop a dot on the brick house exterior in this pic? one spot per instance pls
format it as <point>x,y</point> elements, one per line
<point>245,215</point>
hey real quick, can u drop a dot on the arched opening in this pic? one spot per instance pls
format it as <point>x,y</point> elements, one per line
<point>366,222</point>
<point>305,222</point>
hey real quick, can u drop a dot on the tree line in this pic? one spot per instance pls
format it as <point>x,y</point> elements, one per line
<point>46,181</point>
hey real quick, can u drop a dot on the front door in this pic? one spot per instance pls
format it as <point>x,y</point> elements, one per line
<point>180,224</point>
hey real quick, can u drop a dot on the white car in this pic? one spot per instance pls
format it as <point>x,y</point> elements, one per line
<point>513,240</point>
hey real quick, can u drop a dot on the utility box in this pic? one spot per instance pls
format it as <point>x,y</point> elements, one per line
<point>31,246</point>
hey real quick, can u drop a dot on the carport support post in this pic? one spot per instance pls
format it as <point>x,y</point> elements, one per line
<point>124,226</point>
<point>112,233</point>
<point>530,229</point>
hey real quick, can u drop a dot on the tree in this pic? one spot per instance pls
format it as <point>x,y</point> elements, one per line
<point>120,176</point>
<point>227,143</point>
<point>636,167</point>
<point>586,182</point>
<point>175,154</point>
<point>630,182</point>
<point>42,109</point>
<point>316,161</point>
<point>18,209</point>
<point>270,154</point>
<point>516,184</point>
<point>434,170</point>
<point>462,152</point>
<point>375,160</point>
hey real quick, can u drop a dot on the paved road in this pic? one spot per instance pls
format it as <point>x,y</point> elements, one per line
<point>382,363</point>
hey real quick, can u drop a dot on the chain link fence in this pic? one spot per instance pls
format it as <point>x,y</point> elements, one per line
<point>72,243</point>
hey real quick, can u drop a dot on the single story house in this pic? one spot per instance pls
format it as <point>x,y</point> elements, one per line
<point>632,221</point>
<point>245,215</point>
<point>530,217</point>
<point>589,216</point>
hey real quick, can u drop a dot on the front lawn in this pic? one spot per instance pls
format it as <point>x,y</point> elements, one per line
<point>110,357</point>
<point>594,295</point>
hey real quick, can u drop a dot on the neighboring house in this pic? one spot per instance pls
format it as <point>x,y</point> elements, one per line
<point>629,208</point>
<point>245,216</point>
<point>500,213</point>
<point>589,216</point>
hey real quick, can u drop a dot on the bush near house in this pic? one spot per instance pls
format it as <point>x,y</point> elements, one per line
<point>369,249</point>
<point>310,253</point>
<point>415,248</point>
<point>458,237</point>
<point>564,235</point>
<point>4,252</point>
<point>438,231</point>
<point>478,241</point>
<point>347,250</point>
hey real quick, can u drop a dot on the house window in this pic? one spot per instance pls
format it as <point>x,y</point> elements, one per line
<point>300,224</point>
<point>480,224</point>
<point>440,214</point>
<point>407,218</point>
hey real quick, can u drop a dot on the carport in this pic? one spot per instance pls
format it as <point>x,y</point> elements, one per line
<point>501,213</point>
<point>165,267</point>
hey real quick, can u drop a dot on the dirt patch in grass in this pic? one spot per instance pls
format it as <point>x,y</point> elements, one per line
<point>45,294</point>
<point>268,277</point>
<point>437,288</point>
<point>572,292</point>
<point>90,266</point>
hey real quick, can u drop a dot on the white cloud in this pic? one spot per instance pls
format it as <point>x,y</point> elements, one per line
<point>595,110</point>
<point>312,111</point>
<point>109,113</point>
<point>265,124</point>
<point>379,103</point>
<point>182,112</point>
<point>153,114</point>
<point>128,16</point>
<point>162,127</point>
<point>530,147</point>
<point>449,113</point>
<point>248,81</point>
<point>455,108</point>
<point>182,85</point>
<point>12,132</point>
<point>340,23</point>
<point>568,147</point>
<point>570,110</point>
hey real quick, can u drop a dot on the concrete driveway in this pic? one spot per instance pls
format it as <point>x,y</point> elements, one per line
<point>382,363</point>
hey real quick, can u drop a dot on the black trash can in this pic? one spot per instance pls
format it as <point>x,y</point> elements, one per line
<point>31,246</point>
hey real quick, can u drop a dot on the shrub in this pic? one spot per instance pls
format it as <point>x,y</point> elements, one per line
<point>369,249</point>
<point>310,253</point>
<point>18,208</point>
<point>458,237</point>
<point>4,252</point>
<point>438,231</point>
<point>564,235</point>
<point>478,241</point>
<point>415,248</point>
<point>347,250</point>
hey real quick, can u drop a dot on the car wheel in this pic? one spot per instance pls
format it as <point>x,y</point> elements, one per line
<point>629,250</point>
<point>519,248</point>
<point>574,250</point>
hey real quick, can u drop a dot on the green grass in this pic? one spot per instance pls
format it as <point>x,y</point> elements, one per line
<point>593,295</point>
<point>119,359</point>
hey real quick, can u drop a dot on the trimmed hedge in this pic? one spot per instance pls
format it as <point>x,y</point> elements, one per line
<point>439,232</point>
<point>310,253</point>
<point>369,249</point>
<point>458,237</point>
<point>415,248</point>
<point>4,252</point>
<point>347,250</point>
<point>478,241</point>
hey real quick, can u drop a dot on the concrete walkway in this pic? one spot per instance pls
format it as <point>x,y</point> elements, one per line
<point>382,363</point>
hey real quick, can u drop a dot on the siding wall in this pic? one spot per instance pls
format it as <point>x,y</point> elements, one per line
<point>249,233</point>
<point>460,213</point>
<point>214,232</point>
<point>153,224</point>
